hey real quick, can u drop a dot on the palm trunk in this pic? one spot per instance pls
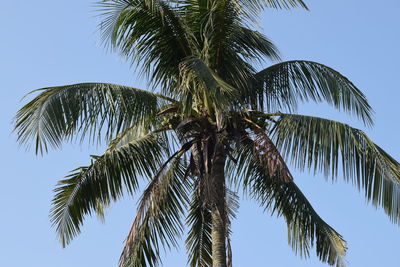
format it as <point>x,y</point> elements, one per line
<point>218,212</point>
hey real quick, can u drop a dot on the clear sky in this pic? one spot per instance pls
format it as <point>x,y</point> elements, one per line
<point>46,43</point>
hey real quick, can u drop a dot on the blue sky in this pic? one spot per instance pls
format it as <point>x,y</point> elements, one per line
<point>46,43</point>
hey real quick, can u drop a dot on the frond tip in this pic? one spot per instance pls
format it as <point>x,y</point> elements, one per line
<point>320,145</point>
<point>305,227</point>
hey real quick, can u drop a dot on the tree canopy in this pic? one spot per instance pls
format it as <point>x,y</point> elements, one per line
<point>210,124</point>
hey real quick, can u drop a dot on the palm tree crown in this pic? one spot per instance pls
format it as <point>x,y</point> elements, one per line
<point>212,125</point>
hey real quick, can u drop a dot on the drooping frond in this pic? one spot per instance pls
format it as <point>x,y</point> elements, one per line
<point>305,227</point>
<point>231,206</point>
<point>321,145</point>
<point>87,108</point>
<point>198,242</point>
<point>283,85</point>
<point>269,157</point>
<point>104,181</point>
<point>158,219</point>
<point>260,147</point>
<point>149,33</point>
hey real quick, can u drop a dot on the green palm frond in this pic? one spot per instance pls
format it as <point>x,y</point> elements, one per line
<point>305,226</point>
<point>104,181</point>
<point>140,128</point>
<point>127,136</point>
<point>100,210</point>
<point>284,4</point>
<point>158,220</point>
<point>198,81</point>
<point>110,10</point>
<point>198,242</point>
<point>149,33</point>
<point>227,44</point>
<point>87,108</point>
<point>224,29</point>
<point>284,198</point>
<point>232,204</point>
<point>252,7</point>
<point>253,45</point>
<point>321,145</point>
<point>242,47</point>
<point>283,85</point>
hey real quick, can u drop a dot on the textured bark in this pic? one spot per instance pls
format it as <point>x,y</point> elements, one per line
<point>218,212</point>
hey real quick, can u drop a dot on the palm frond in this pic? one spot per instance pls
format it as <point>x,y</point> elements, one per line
<point>264,151</point>
<point>158,220</point>
<point>322,145</point>
<point>232,207</point>
<point>270,158</point>
<point>198,242</point>
<point>250,8</point>
<point>87,108</point>
<point>242,47</point>
<point>140,128</point>
<point>226,42</point>
<point>305,227</point>
<point>224,29</point>
<point>282,85</point>
<point>104,181</point>
<point>285,4</point>
<point>199,82</point>
<point>253,45</point>
<point>149,33</point>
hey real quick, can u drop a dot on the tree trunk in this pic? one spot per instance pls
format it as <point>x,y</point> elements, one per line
<point>218,212</point>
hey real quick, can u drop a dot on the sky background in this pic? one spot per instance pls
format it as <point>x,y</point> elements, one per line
<point>45,43</point>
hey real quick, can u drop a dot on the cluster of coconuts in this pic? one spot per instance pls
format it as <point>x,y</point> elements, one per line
<point>171,122</point>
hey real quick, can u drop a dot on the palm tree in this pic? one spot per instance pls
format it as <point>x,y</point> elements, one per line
<point>212,124</point>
